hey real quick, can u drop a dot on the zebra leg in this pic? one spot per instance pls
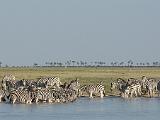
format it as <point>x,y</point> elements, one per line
<point>139,91</point>
<point>149,93</point>
<point>102,95</point>
<point>91,95</point>
<point>153,93</point>
<point>36,100</point>
<point>131,93</point>
<point>12,99</point>
<point>49,100</point>
<point>136,93</point>
<point>0,98</point>
<point>29,101</point>
<point>122,94</point>
<point>126,93</point>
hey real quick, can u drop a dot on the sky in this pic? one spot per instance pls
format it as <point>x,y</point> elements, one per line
<point>91,30</point>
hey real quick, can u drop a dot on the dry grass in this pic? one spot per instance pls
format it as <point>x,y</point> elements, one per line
<point>85,75</point>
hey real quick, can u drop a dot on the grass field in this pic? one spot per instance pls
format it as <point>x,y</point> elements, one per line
<point>85,75</point>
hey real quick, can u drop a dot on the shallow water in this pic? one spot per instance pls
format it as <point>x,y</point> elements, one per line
<point>109,108</point>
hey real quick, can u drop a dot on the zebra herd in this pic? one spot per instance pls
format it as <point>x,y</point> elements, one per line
<point>50,89</point>
<point>45,89</point>
<point>136,88</point>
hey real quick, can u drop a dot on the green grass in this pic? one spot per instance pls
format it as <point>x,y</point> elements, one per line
<point>85,75</point>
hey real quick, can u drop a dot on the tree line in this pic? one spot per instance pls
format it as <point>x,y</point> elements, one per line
<point>74,63</point>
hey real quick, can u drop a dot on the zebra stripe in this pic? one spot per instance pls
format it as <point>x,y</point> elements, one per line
<point>20,96</point>
<point>94,89</point>
<point>49,81</point>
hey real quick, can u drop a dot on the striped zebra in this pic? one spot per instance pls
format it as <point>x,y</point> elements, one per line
<point>68,92</point>
<point>14,84</point>
<point>42,95</point>
<point>58,96</point>
<point>64,95</point>
<point>119,85</point>
<point>27,83</point>
<point>151,87</point>
<point>6,78</point>
<point>158,87</point>
<point>74,85</point>
<point>134,90</point>
<point>49,82</point>
<point>20,96</point>
<point>3,95</point>
<point>94,89</point>
<point>71,95</point>
<point>49,96</point>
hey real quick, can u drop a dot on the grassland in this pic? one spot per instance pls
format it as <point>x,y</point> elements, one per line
<point>85,75</point>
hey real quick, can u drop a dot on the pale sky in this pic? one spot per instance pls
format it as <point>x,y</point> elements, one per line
<point>59,30</point>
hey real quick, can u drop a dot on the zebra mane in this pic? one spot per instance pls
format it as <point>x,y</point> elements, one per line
<point>121,80</point>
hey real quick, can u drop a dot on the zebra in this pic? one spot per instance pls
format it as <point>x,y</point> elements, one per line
<point>42,95</point>
<point>119,85</point>
<point>94,89</point>
<point>3,95</point>
<point>20,96</point>
<point>74,85</point>
<point>132,90</point>
<point>28,83</point>
<point>126,93</point>
<point>71,95</point>
<point>151,87</point>
<point>129,88</point>
<point>6,78</point>
<point>49,82</point>
<point>68,92</point>
<point>13,85</point>
<point>158,87</point>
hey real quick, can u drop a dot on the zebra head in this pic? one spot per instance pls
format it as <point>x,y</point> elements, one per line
<point>74,85</point>
<point>114,85</point>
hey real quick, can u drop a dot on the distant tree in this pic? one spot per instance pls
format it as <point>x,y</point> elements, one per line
<point>73,62</point>
<point>137,64</point>
<point>144,64</point>
<point>140,64</point>
<point>47,63</point>
<point>35,64</point>
<point>101,63</point>
<point>155,63</point>
<point>112,63</point>
<point>77,63</point>
<point>148,64</point>
<point>82,63</point>
<point>68,63</point>
<point>0,64</point>
<point>55,63</point>
<point>130,63</point>
<point>115,63</point>
<point>51,64</point>
<point>121,64</point>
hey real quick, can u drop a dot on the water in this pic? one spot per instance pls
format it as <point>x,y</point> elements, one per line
<point>109,108</point>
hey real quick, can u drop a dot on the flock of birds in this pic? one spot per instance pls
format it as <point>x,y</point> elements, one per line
<point>51,89</point>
